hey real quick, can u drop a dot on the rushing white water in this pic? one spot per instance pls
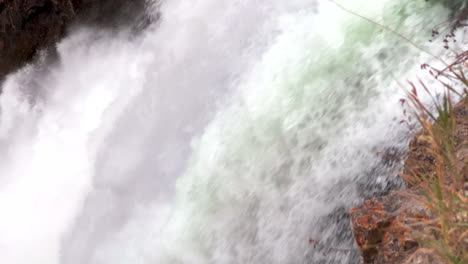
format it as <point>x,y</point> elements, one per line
<point>269,114</point>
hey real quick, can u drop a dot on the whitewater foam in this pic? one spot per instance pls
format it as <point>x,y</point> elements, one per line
<point>280,109</point>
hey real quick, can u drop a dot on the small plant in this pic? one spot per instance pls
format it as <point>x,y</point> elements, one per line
<point>442,185</point>
<point>440,182</point>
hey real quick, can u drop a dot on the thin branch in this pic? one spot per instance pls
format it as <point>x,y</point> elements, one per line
<point>390,30</point>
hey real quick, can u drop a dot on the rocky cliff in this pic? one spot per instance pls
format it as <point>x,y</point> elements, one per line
<point>26,26</point>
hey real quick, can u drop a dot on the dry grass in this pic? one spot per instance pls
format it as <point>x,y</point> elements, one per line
<point>442,188</point>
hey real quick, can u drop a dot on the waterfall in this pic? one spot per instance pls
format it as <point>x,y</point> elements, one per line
<point>225,132</point>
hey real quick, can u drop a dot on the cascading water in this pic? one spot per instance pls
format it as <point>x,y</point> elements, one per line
<point>227,132</point>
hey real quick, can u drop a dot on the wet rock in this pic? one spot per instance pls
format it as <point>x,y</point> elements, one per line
<point>381,227</point>
<point>27,26</point>
<point>109,13</point>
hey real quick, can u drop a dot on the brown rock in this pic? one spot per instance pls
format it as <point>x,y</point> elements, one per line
<point>381,227</point>
<point>461,136</point>
<point>421,153</point>
<point>424,256</point>
<point>385,228</point>
<point>421,159</point>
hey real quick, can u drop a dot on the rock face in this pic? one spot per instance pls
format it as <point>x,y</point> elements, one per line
<point>29,25</point>
<point>26,26</point>
<point>381,228</point>
<point>109,13</point>
<point>385,228</point>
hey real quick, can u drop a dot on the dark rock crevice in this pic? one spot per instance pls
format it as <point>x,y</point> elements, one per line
<point>27,26</point>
